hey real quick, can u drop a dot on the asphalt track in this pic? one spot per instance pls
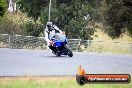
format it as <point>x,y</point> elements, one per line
<point>23,62</point>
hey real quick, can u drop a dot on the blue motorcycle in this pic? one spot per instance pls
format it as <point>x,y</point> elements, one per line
<point>60,45</point>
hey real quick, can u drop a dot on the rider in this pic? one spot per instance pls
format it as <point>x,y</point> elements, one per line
<point>51,29</point>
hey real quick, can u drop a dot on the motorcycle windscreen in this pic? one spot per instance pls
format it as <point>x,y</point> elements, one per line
<point>60,40</point>
<point>51,35</point>
<point>57,36</point>
<point>60,37</point>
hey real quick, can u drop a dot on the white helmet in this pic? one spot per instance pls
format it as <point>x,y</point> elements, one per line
<point>49,24</point>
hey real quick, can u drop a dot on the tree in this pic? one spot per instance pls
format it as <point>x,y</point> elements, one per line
<point>3,7</point>
<point>117,17</point>
<point>33,29</point>
<point>69,16</point>
<point>33,8</point>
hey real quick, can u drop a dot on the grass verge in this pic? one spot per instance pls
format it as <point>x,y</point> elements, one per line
<point>51,82</point>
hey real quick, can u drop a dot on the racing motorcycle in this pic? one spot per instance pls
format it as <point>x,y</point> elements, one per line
<point>60,45</point>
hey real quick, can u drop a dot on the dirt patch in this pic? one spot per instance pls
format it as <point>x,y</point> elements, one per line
<point>2,45</point>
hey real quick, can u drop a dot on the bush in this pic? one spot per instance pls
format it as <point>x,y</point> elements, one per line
<point>11,26</point>
<point>3,7</point>
<point>33,29</point>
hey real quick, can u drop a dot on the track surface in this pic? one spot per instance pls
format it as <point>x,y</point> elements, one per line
<point>21,62</point>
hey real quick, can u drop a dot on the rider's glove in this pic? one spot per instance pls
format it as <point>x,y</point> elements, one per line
<point>51,42</point>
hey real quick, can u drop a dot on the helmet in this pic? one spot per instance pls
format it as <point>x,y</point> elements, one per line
<point>49,24</point>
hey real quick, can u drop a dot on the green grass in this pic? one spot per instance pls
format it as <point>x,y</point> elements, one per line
<point>52,82</point>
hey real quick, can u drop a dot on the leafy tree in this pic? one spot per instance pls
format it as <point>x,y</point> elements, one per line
<point>33,8</point>
<point>117,17</point>
<point>69,16</point>
<point>3,7</point>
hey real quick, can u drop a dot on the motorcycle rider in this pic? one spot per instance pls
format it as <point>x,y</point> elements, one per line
<point>50,32</point>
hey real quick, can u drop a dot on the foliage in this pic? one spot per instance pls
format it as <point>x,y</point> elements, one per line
<point>33,8</point>
<point>69,16</point>
<point>8,26</point>
<point>3,7</point>
<point>117,17</point>
<point>33,29</point>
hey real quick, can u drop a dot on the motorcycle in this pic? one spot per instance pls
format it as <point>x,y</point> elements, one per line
<point>60,45</point>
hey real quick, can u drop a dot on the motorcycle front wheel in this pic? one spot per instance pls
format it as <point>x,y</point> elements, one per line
<point>69,52</point>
